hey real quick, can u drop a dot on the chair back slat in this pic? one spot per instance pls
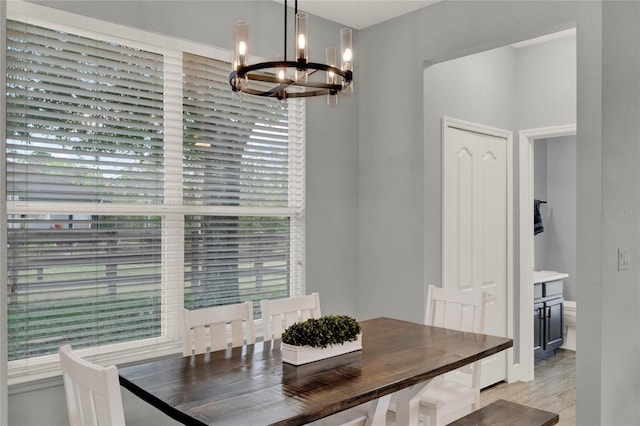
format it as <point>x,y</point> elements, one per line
<point>236,333</point>
<point>92,391</point>
<point>458,310</point>
<point>206,328</point>
<point>218,336</point>
<point>200,340</point>
<point>278,314</point>
<point>455,309</point>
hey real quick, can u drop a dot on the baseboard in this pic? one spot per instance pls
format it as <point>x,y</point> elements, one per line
<point>570,339</point>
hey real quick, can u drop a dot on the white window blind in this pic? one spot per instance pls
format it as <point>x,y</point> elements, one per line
<point>236,155</point>
<point>86,280</point>
<point>138,184</point>
<point>84,124</point>
<point>84,119</point>
<point>235,259</point>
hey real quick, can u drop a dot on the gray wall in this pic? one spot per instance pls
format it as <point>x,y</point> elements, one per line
<point>540,193</point>
<point>546,87</point>
<point>555,182</point>
<point>479,88</point>
<point>45,405</point>
<point>620,178</point>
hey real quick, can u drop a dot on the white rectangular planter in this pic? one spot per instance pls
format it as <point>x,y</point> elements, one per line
<point>298,355</point>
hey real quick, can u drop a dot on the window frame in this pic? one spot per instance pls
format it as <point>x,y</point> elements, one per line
<point>173,210</point>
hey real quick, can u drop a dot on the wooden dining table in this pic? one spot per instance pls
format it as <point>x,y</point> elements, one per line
<point>250,385</point>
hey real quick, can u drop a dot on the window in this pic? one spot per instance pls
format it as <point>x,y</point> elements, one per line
<point>138,185</point>
<point>236,159</point>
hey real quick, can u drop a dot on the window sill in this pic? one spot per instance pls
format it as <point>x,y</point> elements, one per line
<point>25,376</point>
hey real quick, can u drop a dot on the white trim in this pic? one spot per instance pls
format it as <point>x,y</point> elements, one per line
<point>4,402</point>
<point>508,136</point>
<point>525,202</point>
<point>571,32</point>
<point>172,244</point>
<point>297,195</point>
<point>40,15</point>
<point>46,207</point>
<point>35,14</point>
<point>44,367</point>
<point>477,128</point>
<point>510,277</point>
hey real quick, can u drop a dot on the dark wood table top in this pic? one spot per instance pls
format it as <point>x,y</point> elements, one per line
<point>251,385</point>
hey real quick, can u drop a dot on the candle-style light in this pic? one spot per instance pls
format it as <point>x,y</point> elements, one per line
<point>331,56</point>
<point>302,37</point>
<point>241,44</point>
<point>346,46</point>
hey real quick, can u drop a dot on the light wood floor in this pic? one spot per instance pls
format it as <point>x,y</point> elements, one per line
<point>554,388</point>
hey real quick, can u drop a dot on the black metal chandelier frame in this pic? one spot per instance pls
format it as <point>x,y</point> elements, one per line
<point>280,91</point>
<point>284,83</point>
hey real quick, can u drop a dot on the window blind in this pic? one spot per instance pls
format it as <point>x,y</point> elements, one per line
<point>85,280</point>
<point>237,154</point>
<point>235,149</point>
<point>235,259</point>
<point>84,118</point>
<point>84,125</point>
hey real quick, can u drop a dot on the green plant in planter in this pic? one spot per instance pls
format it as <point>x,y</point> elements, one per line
<point>322,332</point>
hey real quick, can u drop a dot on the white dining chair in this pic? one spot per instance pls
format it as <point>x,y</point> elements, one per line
<point>455,394</point>
<point>278,314</point>
<point>92,391</point>
<point>368,414</point>
<point>207,328</point>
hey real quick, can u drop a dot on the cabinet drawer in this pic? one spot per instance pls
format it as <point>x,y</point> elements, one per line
<point>552,288</point>
<point>537,291</point>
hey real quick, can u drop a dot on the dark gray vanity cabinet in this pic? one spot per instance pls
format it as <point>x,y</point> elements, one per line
<point>547,318</point>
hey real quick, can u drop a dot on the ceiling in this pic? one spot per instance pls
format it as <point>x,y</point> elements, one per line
<point>358,14</point>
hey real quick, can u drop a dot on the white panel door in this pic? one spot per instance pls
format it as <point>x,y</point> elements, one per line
<point>475,224</point>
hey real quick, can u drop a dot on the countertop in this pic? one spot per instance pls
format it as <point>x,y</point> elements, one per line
<point>544,276</point>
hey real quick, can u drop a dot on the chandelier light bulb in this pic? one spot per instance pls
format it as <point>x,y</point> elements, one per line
<point>241,44</point>
<point>347,56</point>
<point>301,36</point>
<point>331,54</point>
<point>346,45</point>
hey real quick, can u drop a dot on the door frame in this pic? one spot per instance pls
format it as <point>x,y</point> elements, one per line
<point>526,138</point>
<point>508,135</point>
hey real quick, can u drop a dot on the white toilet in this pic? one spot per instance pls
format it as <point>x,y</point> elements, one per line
<point>569,318</point>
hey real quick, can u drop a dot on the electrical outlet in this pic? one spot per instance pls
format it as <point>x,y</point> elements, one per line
<point>624,259</point>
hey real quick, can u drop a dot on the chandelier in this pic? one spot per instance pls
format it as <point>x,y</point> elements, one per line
<point>283,78</point>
